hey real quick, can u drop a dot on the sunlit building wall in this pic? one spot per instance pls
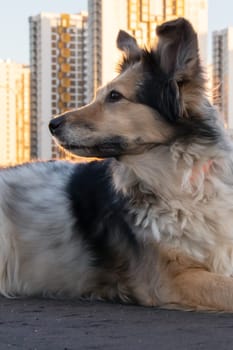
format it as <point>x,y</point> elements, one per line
<point>58,49</point>
<point>15,113</point>
<point>197,12</point>
<point>138,17</point>
<point>104,20</point>
<point>223,73</point>
<point>209,82</point>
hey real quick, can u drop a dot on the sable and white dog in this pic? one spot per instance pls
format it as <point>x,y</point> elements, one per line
<point>152,226</point>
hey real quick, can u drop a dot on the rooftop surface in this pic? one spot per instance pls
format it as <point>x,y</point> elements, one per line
<point>37,324</point>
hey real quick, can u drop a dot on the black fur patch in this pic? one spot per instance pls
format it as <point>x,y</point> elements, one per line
<point>194,128</point>
<point>101,215</point>
<point>161,93</point>
<point>157,90</point>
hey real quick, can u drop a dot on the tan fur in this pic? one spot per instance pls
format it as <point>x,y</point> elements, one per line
<point>97,120</point>
<point>186,284</point>
<point>167,278</point>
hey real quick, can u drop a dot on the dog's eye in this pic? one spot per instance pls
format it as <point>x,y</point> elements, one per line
<point>114,96</point>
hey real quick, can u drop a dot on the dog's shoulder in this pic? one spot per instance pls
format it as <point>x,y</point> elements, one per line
<point>91,190</point>
<point>101,213</point>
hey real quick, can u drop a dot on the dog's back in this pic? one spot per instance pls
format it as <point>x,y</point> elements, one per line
<point>37,248</point>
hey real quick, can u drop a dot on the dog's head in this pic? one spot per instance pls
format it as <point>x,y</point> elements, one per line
<point>156,97</point>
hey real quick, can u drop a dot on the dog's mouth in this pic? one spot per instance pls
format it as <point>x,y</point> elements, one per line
<point>112,147</point>
<point>103,150</point>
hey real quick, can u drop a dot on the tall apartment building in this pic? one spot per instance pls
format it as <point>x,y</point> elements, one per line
<point>58,49</point>
<point>210,91</point>
<point>15,113</point>
<point>138,17</point>
<point>222,46</point>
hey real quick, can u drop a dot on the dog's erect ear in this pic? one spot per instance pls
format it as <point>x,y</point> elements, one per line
<point>178,49</point>
<point>127,44</point>
<point>130,48</point>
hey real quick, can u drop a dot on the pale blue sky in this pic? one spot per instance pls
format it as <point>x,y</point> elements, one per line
<point>14,28</point>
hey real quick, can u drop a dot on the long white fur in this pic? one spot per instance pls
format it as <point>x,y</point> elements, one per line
<point>38,254</point>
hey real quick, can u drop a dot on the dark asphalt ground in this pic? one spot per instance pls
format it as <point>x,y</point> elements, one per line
<point>65,325</point>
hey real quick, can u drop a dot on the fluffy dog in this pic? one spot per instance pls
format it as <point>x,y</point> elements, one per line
<point>152,226</point>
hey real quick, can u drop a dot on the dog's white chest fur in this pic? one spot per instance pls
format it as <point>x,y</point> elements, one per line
<point>204,232</point>
<point>193,216</point>
<point>202,228</point>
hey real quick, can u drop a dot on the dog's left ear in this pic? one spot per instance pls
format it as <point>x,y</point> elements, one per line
<point>178,49</point>
<point>128,45</point>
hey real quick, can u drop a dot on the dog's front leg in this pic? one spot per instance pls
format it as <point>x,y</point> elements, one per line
<point>186,284</point>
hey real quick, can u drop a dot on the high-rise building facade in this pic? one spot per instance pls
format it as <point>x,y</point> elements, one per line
<point>58,50</point>
<point>15,113</point>
<point>138,17</point>
<point>209,85</point>
<point>222,46</point>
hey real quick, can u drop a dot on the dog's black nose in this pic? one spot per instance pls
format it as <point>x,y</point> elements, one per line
<point>55,124</point>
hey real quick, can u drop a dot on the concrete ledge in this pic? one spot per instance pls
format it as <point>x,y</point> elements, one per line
<point>50,324</point>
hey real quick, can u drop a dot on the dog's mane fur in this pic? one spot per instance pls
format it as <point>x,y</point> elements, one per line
<point>174,198</point>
